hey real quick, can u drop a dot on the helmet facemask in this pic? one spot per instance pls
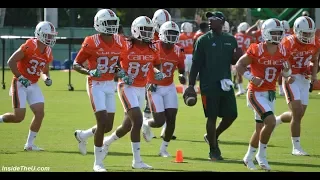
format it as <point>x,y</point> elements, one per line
<point>146,33</point>
<point>107,26</point>
<point>273,36</point>
<point>48,39</point>
<point>169,36</point>
<point>306,37</point>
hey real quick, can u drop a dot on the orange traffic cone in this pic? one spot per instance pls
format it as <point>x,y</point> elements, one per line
<point>179,157</point>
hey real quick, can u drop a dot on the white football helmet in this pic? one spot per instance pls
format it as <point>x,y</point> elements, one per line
<point>159,17</point>
<point>260,23</point>
<point>285,25</point>
<point>106,21</point>
<point>142,28</point>
<point>186,27</point>
<point>226,27</point>
<point>243,27</point>
<point>46,33</point>
<point>304,28</point>
<point>268,29</point>
<point>169,32</point>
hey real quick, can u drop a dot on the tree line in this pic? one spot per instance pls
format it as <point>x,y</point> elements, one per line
<point>83,17</point>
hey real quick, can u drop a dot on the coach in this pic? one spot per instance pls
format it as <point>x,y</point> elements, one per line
<point>213,54</point>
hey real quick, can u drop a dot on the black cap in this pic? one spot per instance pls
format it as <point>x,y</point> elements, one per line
<point>216,14</point>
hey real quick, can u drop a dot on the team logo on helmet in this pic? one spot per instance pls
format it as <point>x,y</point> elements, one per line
<point>52,27</point>
<point>148,20</point>
<point>111,13</point>
<point>173,25</point>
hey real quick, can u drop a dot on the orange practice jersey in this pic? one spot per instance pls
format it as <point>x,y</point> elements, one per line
<point>170,60</point>
<point>258,36</point>
<point>287,34</point>
<point>138,61</point>
<point>197,35</point>
<point>186,42</point>
<point>33,62</point>
<point>300,54</point>
<point>122,37</point>
<point>244,41</point>
<point>318,33</point>
<point>156,36</point>
<point>266,66</point>
<point>101,55</point>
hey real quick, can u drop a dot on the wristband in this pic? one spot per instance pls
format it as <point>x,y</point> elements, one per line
<point>248,75</point>
<point>286,74</point>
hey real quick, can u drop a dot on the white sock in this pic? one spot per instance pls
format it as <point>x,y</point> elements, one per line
<point>164,146</point>
<point>163,129</point>
<point>184,88</point>
<point>87,133</point>
<point>146,122</point>
<point>1,118</point>
<point>113,137</point>
<point>98,155</point>
<point>278,121</point>
<point>296,142</point>
<point>240,87</point>
<point>136,151</point>
<point>32,135</point>
<point>280,88</point>
<point>262,150</point>
<point>250,153</point>
<point>115,84</point>
<point>196,89</point>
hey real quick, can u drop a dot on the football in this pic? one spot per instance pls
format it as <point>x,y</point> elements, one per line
<point>190,100</point>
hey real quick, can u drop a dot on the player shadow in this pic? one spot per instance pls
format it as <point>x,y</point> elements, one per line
<point>75,90</point>
<point>8,152</point>
<point>109,153</point>
<point>294,164</point>
<point>314,156</point>
<point>155,169</point>
<point>233,161</point>
<point>241,143</point>
<point>69,152</point>
<point>225,160</point>
<point>314,97</point>
<point>224,142</point>
<point>176,170</point>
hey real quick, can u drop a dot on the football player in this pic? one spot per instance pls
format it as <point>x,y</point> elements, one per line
<point>286,27</point>
<point>30,61</point>
<point>138,58</point>
<point>162,94</point>
<point>102,51</point>
<point>304,48</point>
<point>159,17</point>
<point>186,42</point>
<point>267,59</point>
<point>244,42</point>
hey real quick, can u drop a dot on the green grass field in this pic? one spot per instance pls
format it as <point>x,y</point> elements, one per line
<point>67,111</point>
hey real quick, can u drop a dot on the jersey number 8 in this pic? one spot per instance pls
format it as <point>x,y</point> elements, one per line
<point>134,68</point>
<point>270,74</point>
<point>104,61</point>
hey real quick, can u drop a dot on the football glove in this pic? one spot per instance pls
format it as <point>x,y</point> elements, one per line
<point>24,81</point>
<point>128,79</point>
<point>121,73</point>
<point>152,87</point>
<point>159,76</point>
<point>95,73</point>
<point>48,82</point>
<point>182,79</point>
